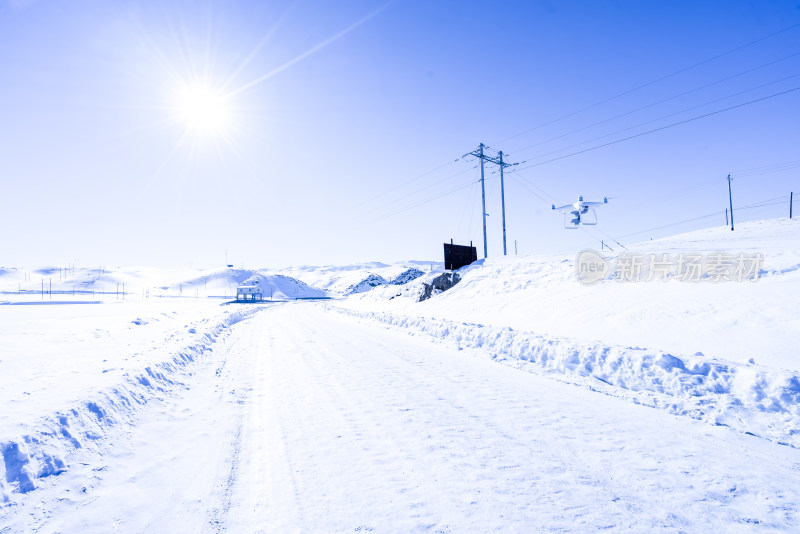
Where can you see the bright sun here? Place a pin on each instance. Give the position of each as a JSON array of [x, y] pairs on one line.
[[203, 110]]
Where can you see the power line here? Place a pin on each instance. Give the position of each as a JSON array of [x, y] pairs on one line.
[[691, 108], [582, 227], [531, 191], [767, 169], [430, 199], [764, 205], [704, 184], [760, 204], [415, 191], [768, 202], [663, 128], [610, 237], [469, 203], [472, 210], [727, 78], [657, 80], [715, 214], [403, 184]]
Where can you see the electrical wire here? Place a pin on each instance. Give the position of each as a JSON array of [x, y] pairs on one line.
[[760, 204], [715, 214], [430, 199], [602, 241], [768, 169], [699, 186], [472, 211], [679, 95], [466, 208], [610, 237], [403, 184], [653, 82], [685, 121], [651, 121], [530, 182], [415, 192], [764, 205], [531, 191]]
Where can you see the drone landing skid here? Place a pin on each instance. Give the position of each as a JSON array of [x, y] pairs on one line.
[[574, 219], [589, 218]]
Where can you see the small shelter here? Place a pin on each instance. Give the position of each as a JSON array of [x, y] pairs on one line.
[[249, 293]]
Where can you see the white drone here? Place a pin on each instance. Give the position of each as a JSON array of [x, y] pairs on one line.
[[579, 213]]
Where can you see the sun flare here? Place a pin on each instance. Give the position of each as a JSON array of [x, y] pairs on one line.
[[203, 110]]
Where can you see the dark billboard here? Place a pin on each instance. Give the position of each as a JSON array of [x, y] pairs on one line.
[[457, 256]]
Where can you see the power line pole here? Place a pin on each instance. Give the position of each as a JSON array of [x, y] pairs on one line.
[[730, 199], [483, 204], [480, 155], [497, 161], [503, 201]]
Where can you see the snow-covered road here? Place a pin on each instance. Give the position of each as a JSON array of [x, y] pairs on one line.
[[305, 420]]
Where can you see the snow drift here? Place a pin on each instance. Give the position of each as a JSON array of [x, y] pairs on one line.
[[719, 352], [40, 448], [753, 399]]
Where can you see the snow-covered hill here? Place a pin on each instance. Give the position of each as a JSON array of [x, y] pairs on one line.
[[341, 280], [721, 351], [732, 320], [146, 283], [225, 282]]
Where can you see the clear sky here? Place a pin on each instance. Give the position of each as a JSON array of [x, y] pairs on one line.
[[166, 132]]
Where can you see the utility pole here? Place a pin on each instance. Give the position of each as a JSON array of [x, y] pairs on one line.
[[503, 202], [791, 194], [730, 199], [483, 204], [480, 155], [497, 161]]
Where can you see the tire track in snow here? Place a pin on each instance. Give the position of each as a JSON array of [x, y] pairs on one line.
[[228, 465], [536, 452]]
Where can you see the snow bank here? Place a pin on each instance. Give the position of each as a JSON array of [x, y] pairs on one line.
[[731, 321], [41, 449], [749, 398]]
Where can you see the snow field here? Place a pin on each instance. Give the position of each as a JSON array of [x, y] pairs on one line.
[[752, 399], [46, 423], [351, 428], [301, 419]]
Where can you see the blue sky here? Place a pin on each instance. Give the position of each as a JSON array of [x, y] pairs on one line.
[[343, 124]]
